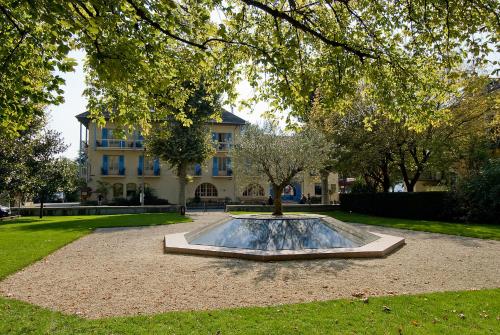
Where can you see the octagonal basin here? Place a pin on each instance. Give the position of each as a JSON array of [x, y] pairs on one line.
[[267, 237]]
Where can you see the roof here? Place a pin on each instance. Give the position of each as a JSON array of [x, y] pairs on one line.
[[227, 118]]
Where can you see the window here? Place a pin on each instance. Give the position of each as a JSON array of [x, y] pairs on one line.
[[317, 189], [117, 190], [224, 140], [197, 169], [131, 189], [253, 190], [113, 165], [151, 166], [222, 166], [205, 190]]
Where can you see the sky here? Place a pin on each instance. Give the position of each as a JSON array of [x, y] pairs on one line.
[[62, 117]]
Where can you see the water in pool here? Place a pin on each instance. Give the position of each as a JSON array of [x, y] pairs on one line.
[[274, 234]]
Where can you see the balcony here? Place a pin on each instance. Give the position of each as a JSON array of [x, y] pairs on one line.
[[112, 172], [223, 173], [223, 146], [148, 173], [120, 144]]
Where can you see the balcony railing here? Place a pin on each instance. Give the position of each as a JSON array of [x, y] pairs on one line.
[[149, 173], [224, 173], [119, 143], [113, 172], [223, 146]]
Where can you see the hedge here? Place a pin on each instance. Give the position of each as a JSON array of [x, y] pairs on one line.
[[415, 205]]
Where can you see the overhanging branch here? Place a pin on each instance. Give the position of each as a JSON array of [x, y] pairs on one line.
[[299, 25]]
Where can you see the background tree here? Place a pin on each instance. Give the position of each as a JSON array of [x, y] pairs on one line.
[[382, 148], [269, 152], [183, 145], [47, 174]]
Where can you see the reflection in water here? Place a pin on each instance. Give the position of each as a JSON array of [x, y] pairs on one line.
[[275, 234]]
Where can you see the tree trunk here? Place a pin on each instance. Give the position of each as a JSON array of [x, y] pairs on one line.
[[386, 182], [278, 208], [41, 206], [182, 174], [325, 197]]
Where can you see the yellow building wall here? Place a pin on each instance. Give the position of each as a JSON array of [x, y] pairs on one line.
[[166, 185]]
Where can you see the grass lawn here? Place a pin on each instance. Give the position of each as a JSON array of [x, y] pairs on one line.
[[28, 239], [485, 231]]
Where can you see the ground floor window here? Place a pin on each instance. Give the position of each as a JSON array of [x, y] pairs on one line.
[[253, 190], [317, 189], [117, 190], [205, 190], [131, 189]]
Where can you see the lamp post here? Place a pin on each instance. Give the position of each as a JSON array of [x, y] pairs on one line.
[[143, 193]]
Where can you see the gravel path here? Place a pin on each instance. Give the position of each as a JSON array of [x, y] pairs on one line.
[[123, 271]]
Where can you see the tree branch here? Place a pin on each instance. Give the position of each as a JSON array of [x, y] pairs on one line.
[[143, 15], [299, 25]]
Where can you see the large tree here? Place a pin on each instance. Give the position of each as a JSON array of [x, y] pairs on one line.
[[286, 49], [278, 156], [183, 145]]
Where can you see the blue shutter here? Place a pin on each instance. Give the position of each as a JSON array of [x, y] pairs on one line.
[[141, 164], [215, 167], [214, 136], [298, 191], [156, 167], [197, 169], [104, 169], [140, 140], [121, 165], [104, 137], [229, 167]]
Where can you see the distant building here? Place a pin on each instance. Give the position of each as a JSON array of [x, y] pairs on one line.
[[122, 165]]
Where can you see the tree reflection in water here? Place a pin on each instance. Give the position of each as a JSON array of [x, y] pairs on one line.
[[274, 234]]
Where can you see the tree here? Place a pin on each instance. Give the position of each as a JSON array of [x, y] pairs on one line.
[[276, 155], [286, 49], [60, 175], [372, 142], [184, 145], [46, 173], [33, 45]]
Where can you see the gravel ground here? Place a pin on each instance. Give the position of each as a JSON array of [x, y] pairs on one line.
[[123, 271]]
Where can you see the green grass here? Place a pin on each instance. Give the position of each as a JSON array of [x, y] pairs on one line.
[[28, 239], [437, 313], [484, 231]]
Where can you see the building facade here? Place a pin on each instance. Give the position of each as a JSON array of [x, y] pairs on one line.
[[121, 166]]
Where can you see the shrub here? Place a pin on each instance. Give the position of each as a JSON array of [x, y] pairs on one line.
[[417, 205], [479, 196]]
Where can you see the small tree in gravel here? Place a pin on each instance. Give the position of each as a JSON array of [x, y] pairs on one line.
[[267, 151]]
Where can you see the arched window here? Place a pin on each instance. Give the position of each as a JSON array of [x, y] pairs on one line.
[[131, 189], [253, 190], [117, 190], [205, 190]]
